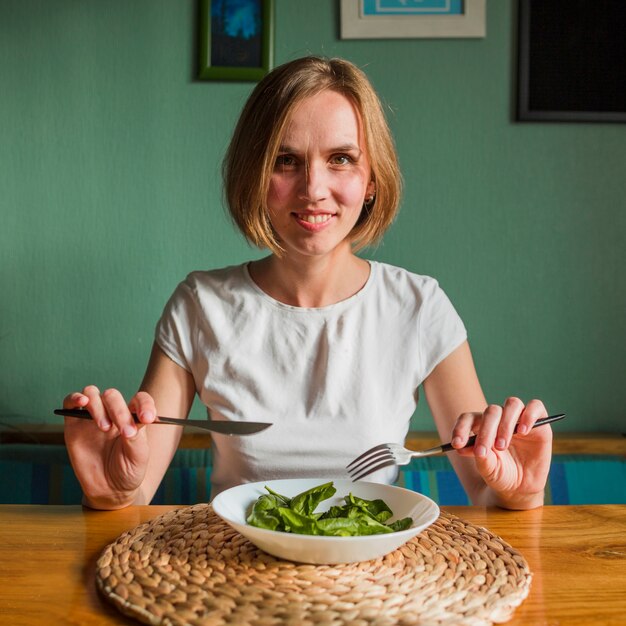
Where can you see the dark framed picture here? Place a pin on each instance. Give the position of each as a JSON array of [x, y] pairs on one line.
[[236, 39], [572, 61]]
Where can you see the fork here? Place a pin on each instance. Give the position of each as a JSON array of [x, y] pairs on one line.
[[387, 454]]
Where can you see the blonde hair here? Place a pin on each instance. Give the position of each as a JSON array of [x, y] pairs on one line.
[[249, 160]]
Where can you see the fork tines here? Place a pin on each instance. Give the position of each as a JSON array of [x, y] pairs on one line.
[[382, 449], [371, 461]]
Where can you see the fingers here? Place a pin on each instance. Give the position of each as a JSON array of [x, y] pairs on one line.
[[493, 418], [496, 426], [463, 429], [121, 414], [109, 409], [143, 406], [75, 400], [90, 400], [534, 410], [118, 412], [511, 411]]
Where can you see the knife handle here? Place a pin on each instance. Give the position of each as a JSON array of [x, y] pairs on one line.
[[84, 414]]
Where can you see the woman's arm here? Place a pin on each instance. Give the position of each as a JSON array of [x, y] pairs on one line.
[[172, 389], [501, 469]]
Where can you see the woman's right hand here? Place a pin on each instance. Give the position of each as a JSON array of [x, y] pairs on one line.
[[109, 453]]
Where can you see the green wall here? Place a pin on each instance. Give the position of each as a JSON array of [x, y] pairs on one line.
[[110, 193]]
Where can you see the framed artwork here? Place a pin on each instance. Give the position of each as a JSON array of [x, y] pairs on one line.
[[395, 19], [571, 61], [236, 39]]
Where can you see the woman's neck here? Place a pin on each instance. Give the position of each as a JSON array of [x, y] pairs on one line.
[[311, 282]]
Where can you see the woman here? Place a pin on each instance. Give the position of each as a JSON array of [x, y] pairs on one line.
[[329, 347]]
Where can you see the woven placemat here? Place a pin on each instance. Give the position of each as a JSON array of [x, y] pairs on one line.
[[189, 567]]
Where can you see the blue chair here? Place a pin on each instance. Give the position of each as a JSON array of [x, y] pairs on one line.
[[42, 474]]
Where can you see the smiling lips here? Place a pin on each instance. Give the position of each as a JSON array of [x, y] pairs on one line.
[[313, 221], [314, 218]]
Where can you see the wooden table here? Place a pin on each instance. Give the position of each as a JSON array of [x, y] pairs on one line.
[[577, 555]]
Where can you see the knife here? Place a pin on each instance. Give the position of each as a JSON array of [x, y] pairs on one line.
[[218, 426]]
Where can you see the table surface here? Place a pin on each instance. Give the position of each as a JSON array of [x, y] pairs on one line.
[[577, 555]]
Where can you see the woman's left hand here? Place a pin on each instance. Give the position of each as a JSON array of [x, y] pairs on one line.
[[514, 466]]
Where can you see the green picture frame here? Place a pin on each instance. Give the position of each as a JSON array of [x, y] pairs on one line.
[[232, 47]]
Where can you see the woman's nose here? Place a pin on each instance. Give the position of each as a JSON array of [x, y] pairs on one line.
[[314, 185]]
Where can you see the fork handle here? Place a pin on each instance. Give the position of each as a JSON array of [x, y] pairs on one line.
[[447, 447]]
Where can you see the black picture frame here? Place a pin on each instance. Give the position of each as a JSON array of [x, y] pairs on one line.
[[236, 52], [571, 61]]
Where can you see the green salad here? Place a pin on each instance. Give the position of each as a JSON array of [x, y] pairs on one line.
[[357, 516]]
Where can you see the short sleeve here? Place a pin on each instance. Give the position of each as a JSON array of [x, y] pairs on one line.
[[441, 330], [177, 326]]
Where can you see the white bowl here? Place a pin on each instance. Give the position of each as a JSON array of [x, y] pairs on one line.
[[233, 506]]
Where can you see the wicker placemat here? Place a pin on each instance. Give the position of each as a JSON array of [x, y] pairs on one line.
[[189, 567]]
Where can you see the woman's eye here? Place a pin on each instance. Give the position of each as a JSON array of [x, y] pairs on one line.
[[342, 159], [285, 160]]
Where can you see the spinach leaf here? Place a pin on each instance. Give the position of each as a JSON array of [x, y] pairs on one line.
[[299, 524], [401, 524], [284, 499], [378, 509], [265, 513], [306, 502], [357, 516], [357, 523]]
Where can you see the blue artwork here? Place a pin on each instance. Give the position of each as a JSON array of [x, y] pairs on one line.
[[412, 7], [236, 33]]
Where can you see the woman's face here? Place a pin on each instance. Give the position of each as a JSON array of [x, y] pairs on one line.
[[321, 176]]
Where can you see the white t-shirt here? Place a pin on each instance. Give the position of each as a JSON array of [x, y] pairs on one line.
[[334, 381]]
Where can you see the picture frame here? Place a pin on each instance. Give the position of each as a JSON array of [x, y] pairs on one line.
[[405, 19], [571, 61], [236, 39]]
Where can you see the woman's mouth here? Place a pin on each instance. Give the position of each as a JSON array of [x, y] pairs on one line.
[[314, 218], [313, 221]]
